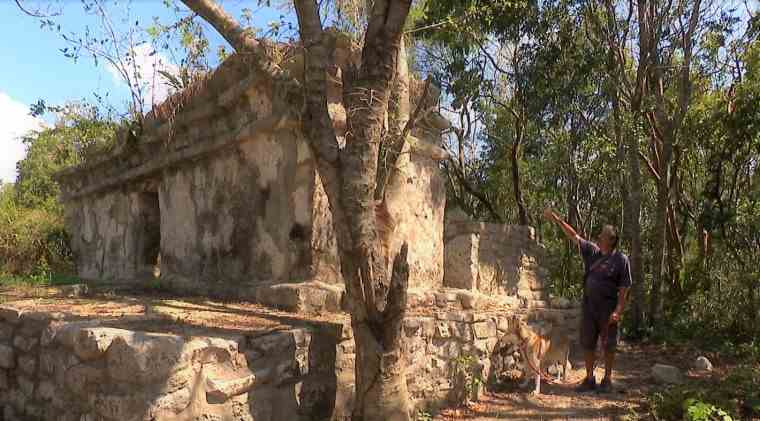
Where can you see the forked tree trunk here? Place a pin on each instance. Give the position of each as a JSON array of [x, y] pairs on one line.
[[376, 298]]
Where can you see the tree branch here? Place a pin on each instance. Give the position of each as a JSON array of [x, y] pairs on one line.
[[225, 24], [35, 14], [652, 170], [473, 191], [239, 39]]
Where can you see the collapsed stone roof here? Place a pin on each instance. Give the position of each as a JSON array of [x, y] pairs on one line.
[[196, 121]]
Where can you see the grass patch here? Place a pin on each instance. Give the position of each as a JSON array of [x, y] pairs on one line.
[[40, 280]]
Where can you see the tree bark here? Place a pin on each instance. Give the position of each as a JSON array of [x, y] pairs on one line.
[[514, 156], [376, 298], [377, 304]]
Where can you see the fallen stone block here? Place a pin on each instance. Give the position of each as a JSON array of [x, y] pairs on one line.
[[222, 383], [703, 364], [75, 290], [663, 373]]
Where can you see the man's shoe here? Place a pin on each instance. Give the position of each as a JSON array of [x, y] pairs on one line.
[[588, 385], [605, 386]]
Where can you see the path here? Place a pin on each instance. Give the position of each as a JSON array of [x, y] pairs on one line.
[[560, 402]]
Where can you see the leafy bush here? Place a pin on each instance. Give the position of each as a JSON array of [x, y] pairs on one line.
[[733, 398], [33, 242], [34, 245]]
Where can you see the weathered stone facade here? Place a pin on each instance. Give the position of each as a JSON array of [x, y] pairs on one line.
[[224, 184], [501, 260]]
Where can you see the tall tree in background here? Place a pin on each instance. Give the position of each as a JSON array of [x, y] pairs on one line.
[[626, 90], [377, 299], [665, 30]]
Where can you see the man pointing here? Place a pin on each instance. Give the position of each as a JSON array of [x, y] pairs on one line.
[[606, 281]]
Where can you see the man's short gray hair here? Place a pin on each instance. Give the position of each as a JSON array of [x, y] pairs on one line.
[[612, 232]]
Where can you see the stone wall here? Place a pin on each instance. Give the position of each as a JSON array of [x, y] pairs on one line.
[[417, 199], [494, 259], [51, 369], [55, 367], [442, 350]]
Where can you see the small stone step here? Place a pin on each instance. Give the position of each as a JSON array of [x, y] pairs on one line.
[[223, 382]]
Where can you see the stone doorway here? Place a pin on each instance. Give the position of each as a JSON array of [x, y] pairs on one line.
[[149, 233]]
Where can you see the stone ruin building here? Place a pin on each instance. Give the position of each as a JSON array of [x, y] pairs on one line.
[[223, 187]]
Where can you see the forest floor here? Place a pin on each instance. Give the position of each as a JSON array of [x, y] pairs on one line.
[[633, 383]]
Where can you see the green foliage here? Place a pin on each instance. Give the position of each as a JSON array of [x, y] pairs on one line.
[[80, 135], [708, 400], [33, 241], [696, 410], [424, 416], [468, 374], [39, 280]]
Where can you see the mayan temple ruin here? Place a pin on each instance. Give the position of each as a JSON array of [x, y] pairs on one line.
[[219, 197]]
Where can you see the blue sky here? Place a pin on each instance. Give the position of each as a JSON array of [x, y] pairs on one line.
[[34, 67]]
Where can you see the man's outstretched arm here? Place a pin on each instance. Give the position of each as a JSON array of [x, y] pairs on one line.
[[568, 230]]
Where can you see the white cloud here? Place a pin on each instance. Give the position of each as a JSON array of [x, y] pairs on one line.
[[15, 121], [148, 62]]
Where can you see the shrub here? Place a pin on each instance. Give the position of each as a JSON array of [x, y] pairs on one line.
[[32, 241]]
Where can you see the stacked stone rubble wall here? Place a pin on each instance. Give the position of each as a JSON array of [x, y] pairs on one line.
[[53, 368]]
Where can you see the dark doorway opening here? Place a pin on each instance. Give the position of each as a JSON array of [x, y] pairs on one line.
[[149, 247]]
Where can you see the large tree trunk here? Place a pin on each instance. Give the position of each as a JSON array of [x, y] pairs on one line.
[[376, 298], [633, 224], [659, 273], [665, 122], [514, 156]]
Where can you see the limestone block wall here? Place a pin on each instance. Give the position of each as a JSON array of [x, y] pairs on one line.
[[225, 177], [443, 348], [494, 259], [52, 369], [417, 200]]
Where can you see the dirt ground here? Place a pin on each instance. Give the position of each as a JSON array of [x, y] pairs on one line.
[[152, 312], [632, 379]]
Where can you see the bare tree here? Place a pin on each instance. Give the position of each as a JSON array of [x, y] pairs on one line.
[[376, 296]]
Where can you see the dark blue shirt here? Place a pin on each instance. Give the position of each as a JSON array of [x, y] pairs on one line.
[[603, 281]]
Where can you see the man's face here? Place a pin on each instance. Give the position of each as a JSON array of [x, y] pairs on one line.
[[606, 239]]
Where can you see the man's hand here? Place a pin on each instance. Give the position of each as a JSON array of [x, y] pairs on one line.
[[550, 215], [615, 317], [567, 229]]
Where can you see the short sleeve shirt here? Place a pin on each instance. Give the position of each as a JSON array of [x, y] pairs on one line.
[[611, 273]]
